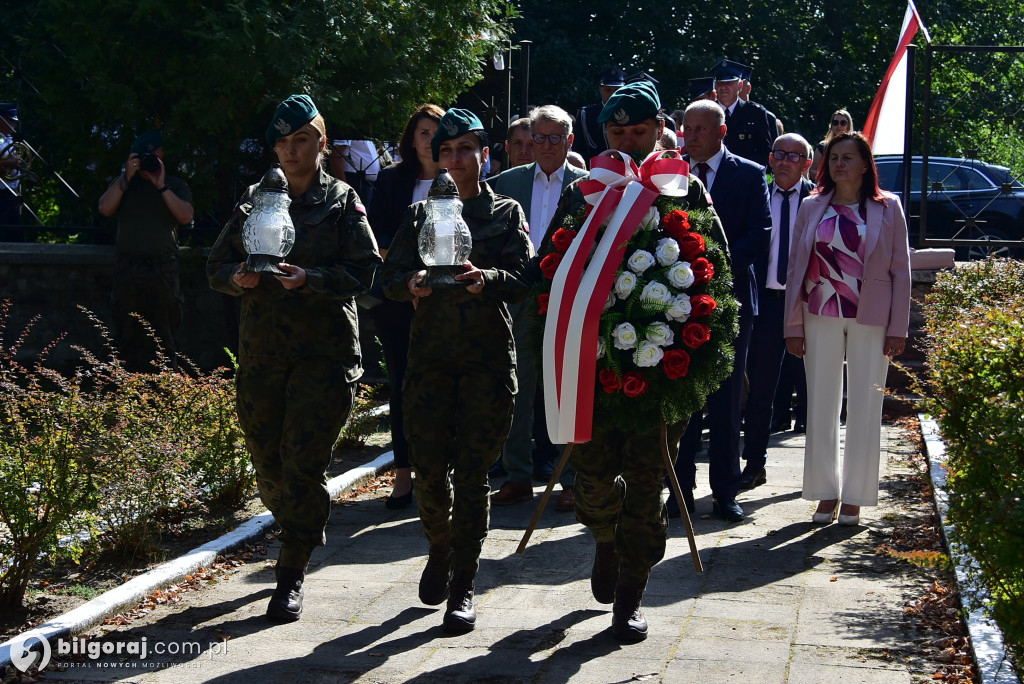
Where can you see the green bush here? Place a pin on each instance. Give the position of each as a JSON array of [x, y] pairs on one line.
[[976, 356], [109, 452]]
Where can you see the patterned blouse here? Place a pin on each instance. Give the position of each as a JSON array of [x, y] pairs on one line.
[[832, 286]]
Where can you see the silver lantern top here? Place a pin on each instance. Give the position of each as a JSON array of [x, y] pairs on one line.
[[268, 235], [444, 238]]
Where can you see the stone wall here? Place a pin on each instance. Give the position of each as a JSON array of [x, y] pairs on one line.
[[53, 281]]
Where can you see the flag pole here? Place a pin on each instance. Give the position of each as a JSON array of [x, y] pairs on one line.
[[908, 125]]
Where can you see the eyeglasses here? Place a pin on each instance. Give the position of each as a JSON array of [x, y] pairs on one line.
[[554, 138], [794, 157], [840, 122]]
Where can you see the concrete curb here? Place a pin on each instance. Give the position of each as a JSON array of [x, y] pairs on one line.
[[987, 644], [172, 572]]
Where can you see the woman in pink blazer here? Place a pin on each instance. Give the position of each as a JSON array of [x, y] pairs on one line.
[[848, 299]]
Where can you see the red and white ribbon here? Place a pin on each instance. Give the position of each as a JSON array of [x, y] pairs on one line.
[[620, 194]]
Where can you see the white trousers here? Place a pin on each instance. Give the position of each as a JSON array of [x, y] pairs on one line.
[[828, 342]]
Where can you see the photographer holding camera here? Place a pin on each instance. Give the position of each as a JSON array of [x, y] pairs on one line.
[[150, 205]]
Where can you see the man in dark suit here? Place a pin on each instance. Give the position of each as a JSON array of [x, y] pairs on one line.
[[740, 195], [790, 158], [590, 140], [537, 187], [751, 127]]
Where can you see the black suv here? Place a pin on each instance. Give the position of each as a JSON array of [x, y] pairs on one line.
[[967, 198]]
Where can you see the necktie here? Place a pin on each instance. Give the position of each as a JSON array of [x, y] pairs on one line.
[[702, 173], [783, 263]]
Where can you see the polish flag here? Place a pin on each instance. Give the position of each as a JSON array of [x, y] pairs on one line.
[[886, 118]]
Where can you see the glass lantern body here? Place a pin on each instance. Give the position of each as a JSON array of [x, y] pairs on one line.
[[444, 238], [268, 235]]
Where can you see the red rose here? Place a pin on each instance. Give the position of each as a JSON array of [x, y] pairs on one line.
[[676, 224], [695, 334], [562, 239], [703, 270], [702, 305], [691, 246], [676, 363], [549, 264], [633, 384], [609, 381], [542, 303]]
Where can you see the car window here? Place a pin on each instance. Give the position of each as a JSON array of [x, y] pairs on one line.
[[972, 179], [889, 176], [938, 172]]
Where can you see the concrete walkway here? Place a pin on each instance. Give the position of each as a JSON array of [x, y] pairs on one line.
[[780, 601]]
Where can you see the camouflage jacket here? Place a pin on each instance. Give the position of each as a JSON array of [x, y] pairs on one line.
[[335, 246], [456, 326]]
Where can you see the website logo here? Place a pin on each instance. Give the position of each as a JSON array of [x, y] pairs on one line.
[[22, 654]]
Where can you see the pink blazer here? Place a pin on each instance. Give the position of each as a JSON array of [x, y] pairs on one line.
[[885, 289]]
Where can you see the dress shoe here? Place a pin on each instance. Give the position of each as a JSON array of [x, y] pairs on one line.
[[437, 575], [753, 477], [799, 427], [628, 621], [780, 425], [849, 519], [672, 506], [512, 492], [729, 509], [395, 503], [566, 500], [825, 517], [460, 614], [605, 574], [286, 602]]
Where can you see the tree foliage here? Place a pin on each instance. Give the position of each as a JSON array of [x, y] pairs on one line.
[[209, 75]]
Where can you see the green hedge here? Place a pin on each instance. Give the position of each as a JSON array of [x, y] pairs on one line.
[[107, 452], [976, 374]]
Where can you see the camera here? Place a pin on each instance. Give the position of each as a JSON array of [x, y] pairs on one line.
[[149, 162]]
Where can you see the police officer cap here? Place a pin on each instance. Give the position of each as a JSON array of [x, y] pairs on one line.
[[454, 124], [291, 115], [641, 76], [728, 70], [613, 77], [699, 86], [147, 142], [631, 104]]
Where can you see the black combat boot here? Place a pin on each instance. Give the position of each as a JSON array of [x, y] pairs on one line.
[[605, 574], [437, 575], [460, 616], [286, 603], [628, 621]]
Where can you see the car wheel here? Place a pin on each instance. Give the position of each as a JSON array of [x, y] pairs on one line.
[[983, 251]]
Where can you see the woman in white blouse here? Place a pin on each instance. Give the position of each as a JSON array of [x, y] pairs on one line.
[[849, 268]]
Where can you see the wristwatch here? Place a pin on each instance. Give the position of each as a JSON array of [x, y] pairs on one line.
[[164, 189]]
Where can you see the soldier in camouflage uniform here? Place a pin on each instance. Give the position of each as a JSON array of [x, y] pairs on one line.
[[619, 475], [461, 379], [299, 356]]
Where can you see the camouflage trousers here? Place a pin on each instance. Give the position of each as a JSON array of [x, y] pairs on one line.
[[619, 482], [148, 286], [291, 410], [455, 422]]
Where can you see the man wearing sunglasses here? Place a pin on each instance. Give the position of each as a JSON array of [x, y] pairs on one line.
[[536, 187], [789, 160]]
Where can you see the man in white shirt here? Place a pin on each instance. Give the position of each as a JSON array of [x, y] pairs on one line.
[[356, 162], [536, 187], [789, 159]]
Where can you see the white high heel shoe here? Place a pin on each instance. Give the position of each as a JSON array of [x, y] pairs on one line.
[[849, 520], [827, 517]]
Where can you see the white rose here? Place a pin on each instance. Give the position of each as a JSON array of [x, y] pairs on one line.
[[624, 335], [648, 355], [656, 292], [600, 348], [667, 251], [624, 284], [680, 275], [640, 261], [680, 309], [652, 219], [660, 334]]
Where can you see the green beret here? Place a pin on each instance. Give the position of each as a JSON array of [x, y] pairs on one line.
[[291, 115], [631, 104], [147, 142], [454, 124]]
